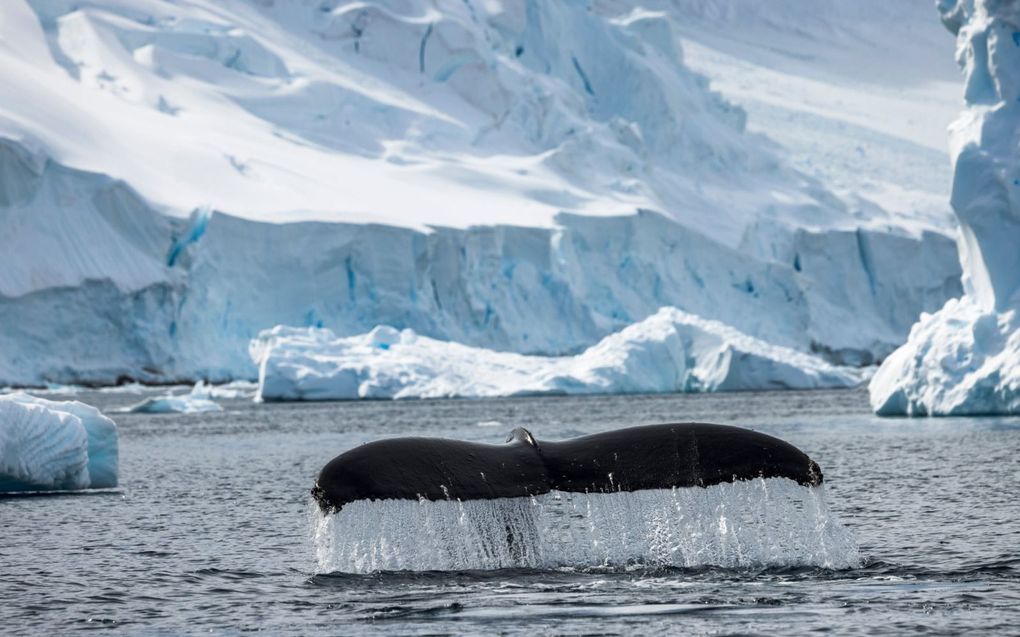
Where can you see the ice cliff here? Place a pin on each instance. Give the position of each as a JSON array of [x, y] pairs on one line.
[[669, 351], [530, 177], [965, 358], [55, 445]]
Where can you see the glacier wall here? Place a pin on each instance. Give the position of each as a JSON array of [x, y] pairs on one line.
[[965, 358], [198, 289], [84, 293], [521, 176], [520, 289]]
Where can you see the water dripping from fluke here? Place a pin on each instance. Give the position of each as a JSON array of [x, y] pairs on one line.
[[678, 495], [746, 524]]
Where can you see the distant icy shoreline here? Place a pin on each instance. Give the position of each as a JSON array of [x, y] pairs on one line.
[[184, 387], [232, 389]]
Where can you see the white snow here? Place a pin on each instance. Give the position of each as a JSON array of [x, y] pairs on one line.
[[670, 351], [256, 109], [55, 445], [813, 74], [965, 358], [176, 177], [198, 400], [960, 361]]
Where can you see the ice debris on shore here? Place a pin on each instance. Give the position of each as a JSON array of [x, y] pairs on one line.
[[55, 445], [965, 358], [671, 351]]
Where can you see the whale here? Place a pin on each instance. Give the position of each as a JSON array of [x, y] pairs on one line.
[[663, 456]]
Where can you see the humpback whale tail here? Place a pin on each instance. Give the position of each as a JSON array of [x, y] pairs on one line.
[[632, 459], [678, 495]]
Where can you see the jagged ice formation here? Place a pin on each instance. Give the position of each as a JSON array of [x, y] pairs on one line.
[[965, 358], [55, 445], [669, 351], [520, 176]]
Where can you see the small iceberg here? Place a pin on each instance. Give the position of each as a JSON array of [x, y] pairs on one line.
[[48, 445], [197, 401], [670, 351], [960, 361]]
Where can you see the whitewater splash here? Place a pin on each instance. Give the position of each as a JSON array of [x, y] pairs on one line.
[[760, 523]]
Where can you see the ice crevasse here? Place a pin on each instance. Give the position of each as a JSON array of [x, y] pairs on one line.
[[55, 445], [527, 177], [965, 358], [670, 351]]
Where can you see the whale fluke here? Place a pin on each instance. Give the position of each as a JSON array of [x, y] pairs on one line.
[[631, 459]]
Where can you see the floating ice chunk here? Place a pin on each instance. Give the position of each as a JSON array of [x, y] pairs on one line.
[[961, 360], [197, 401], [127, 388], [55, 445], [234, 389], [669, 351]]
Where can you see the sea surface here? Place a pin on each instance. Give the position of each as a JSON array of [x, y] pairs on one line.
[[212, 530]]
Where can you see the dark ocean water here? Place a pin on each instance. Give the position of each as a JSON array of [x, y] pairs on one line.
[[210, 530]]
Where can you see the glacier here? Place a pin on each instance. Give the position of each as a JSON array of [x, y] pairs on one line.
[[55, 445], [964, 359], [669, 351], [518, 176]]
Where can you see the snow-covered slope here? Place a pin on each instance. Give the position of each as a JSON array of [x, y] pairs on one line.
[[47, 445], [527, 176], [855, 93], [358, 111], [669, 351], [965, 358]]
